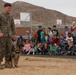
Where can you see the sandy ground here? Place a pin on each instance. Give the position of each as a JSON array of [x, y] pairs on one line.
[[43, 65]]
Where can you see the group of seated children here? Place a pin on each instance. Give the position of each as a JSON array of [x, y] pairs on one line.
[[57, 46]]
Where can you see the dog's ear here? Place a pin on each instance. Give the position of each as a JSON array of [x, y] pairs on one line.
[[16, 48], [13, 39]]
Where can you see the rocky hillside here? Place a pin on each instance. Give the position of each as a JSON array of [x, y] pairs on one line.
[[39, 14]]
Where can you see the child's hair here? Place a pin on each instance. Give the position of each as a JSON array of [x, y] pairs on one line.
[[54, 26], [54, 36], [39, 45], [40, 27], [52, 43], [32, 43], [69, 34], [45, 44], [27, 41], [49, 28], [61, 34], [66, 27]]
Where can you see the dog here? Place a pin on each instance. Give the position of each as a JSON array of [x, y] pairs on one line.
[[15, 56]]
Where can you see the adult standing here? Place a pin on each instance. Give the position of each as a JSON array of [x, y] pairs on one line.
[[7, 32]]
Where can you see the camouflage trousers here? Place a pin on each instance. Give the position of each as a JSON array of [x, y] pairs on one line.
[[5, 48]]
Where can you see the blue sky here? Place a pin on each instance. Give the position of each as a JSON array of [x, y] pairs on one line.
[[65, 6]]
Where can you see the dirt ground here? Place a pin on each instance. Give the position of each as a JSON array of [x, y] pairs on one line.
[[43, 65]]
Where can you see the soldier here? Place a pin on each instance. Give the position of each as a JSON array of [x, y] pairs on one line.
[[7, 31]]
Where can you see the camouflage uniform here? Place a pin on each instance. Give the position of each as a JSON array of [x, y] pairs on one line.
[[7, 27]]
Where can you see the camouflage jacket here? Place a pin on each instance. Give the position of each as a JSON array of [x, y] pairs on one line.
[[7, 26]]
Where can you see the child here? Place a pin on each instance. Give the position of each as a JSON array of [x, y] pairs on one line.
[[34, 37], [55, 31], [42, 36], [45, 49], [39, 48], [47, 36], [73, 27], [69, 37], [62, 45], [49, 31], [28, 35], [55, 40], [71, 48], [74, 36], [53, 48], [26, 47], [66, 31], [31, 48]]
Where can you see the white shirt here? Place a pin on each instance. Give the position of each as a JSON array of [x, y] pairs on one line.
[[69, 38]]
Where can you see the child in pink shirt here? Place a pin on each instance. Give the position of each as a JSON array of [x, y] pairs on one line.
[[26, 47]]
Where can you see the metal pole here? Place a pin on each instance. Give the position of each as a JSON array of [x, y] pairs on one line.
[[31, 22]]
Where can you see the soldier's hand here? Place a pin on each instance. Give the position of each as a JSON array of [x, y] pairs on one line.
[[1, 34]]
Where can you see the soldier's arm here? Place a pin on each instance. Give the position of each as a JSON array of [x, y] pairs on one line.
[[1, 34], [13, 27], [0, 23]]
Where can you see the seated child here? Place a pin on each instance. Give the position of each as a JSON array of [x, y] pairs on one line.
[[53, 48], [71, 48], [45, 49], [31, 48], [39, 48], [69, 37], [55, 40], [26, 47], [62, 45]]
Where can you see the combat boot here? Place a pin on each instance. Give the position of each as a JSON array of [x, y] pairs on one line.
[[8, 65], [1, 66]]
